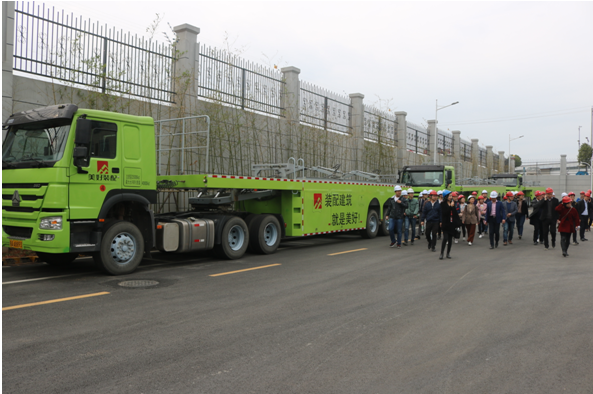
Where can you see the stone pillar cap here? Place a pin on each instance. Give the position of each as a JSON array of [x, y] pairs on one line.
[[356, 95], [403, 113], [290, 69], [475, 140], [431, 121], [186, 27], [456, 132]]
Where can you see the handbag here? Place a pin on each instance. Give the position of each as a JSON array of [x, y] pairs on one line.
[[457, 232]]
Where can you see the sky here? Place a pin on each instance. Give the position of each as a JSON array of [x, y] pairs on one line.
[[516, 68]]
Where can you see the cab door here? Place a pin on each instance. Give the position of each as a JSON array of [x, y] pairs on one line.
[[89, 187]]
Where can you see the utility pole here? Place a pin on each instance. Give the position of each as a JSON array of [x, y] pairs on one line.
[[580, 137]]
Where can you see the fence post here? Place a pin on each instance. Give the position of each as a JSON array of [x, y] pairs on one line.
[[290, 100], [402, 135], [7, 53], [563, 174], [433, 145], [104, 66], [187, 36], [501, 161], [475, 155], [357, 125], [489, 161]]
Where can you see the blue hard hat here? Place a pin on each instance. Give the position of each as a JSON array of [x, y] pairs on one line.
[[446, 193]]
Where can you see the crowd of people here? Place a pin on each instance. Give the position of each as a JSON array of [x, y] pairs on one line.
[[453, 216]]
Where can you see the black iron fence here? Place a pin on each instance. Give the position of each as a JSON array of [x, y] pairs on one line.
[[495, 162], [417, 139], [380, 126], [445, 143], [226, 78], [482, 157], [466, 151], [67, 48], [324, 109]]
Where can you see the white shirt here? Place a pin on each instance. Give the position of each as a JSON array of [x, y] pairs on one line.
[[586, 211]]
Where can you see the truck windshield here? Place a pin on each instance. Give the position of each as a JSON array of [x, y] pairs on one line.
[[426, 178], [27, 146], [511, 182]]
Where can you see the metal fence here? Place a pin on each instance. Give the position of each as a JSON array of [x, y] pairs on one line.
[[482, 157], [380, 126], [67, 48], [445, 143], [226, 78], [417, 139], [495, 162], [325, 109], [466, 150]]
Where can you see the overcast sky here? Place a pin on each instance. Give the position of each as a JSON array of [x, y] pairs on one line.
[[516, 68]]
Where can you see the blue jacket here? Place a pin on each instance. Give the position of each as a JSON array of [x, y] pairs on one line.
[[430, 212], [501, 212]]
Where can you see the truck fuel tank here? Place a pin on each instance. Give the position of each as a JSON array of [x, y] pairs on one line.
[[185, 235]]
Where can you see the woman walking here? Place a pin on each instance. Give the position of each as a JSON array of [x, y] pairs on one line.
[[450, 220], [460, 208], [522, 213], [568, 222], [482, 207], [470, 218]]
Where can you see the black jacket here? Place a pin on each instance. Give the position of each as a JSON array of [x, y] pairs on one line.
[[581, 207], [523, 210], [535, 214], [396, 210], [449, 218], [547, 208]]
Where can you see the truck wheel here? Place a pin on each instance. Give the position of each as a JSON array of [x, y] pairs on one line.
[[264, 234], [383, 227], [122, 247], [234, 239], [372, 227], [57, 259]]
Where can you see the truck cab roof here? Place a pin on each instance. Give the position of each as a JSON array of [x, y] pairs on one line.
[[504, 176], [424, 168]]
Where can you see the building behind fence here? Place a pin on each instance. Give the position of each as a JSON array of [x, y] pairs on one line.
[[271, 114]]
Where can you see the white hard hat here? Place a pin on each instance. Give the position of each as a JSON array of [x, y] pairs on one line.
[[484, 191], [430, 191], [397, 188], [564, 195], [425, 191], [440, 192], [494, 194], [404, 193], [410, 190]]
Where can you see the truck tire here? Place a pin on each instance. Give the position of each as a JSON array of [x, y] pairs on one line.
[[264, 234], [234, 239], [372, 227], [383, 227], [57, 259], [122, 247]]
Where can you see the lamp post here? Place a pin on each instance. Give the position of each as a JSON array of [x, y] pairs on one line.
[[436, 127], [510, 150]]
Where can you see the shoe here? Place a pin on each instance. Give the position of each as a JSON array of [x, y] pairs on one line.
[[504, 243], [456, 241], [399, 246], [519, 237], [391, 245], [433, 249], [575, 243], [412, 243], [448, 256], [405, 243], [567, 254], [441, 257], [496, 245], [564, 254], [439, 237], [535, 243], [584, 239], [469, 243], [511, 242], [553, 246], [480, 236], [429, 247], [546, 248], [463, 239], [491, 247]]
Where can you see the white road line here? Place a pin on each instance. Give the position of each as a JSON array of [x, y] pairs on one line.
[[36, 279]]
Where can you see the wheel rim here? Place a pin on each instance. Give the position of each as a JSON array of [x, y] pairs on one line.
[[373, 224], [270, 234], [236, 237], [123, 248]]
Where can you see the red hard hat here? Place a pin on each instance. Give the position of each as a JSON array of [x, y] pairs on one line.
[[582, 192], [454, 194], [571, 194], [588, 194], [538, 193], [520, 194], [474, 193], [480, 197], [566, 199], [504, 198], [549, 190], [433, 193], [509, 194]]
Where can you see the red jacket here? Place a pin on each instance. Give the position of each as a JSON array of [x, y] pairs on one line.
[[569, 219]]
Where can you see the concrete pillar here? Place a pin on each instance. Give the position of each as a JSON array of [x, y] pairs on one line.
[[456, 145], [357, 124], [291, 97], [7, 53], [433, 146], [489, 161], [185, 67], [513, 165], [500, 161], [402, 135], [475, 154]]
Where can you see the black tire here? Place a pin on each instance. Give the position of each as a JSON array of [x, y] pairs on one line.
[[373, 224], [57, 259], [384, 226], [264, 234], [115, 256], [234, 239]]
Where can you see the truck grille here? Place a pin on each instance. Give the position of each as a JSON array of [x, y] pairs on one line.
[[21, 232]]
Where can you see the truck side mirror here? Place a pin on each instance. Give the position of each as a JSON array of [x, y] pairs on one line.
[[80, 152], [83, 132]]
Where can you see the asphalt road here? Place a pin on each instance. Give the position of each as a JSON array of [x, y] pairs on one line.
[[515, 319]]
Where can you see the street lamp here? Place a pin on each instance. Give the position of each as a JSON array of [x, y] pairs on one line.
[[510, 150], [436, 128]]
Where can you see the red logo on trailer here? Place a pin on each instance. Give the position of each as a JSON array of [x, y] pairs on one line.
[[103, 167], [317, 200]]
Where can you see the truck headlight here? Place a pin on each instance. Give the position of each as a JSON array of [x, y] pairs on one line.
[[51, 223]]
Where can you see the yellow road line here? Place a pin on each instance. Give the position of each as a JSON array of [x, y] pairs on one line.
[[348, 251], [248, 269], [52, 301]]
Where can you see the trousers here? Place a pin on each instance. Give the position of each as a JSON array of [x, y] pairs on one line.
[[520, 223], [407, 222], [549, 227], [392, 228], [507, 232], [565, 241], [494, 228], [431, 233]]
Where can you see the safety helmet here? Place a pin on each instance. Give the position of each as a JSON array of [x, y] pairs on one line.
[[480, 197], [582, 192], [440, 192], [433, 193], [471, 196], [404, 192], [474, 193], [520, 193], [446, 193], [510, 194], [588, 194], [504, 198], [571, 194], [549, 190], [425, 191], [566, 200], [564, 195], [494, 194], [397, 188], [455, 194], [538, 193], [410, 190], [484, 192]]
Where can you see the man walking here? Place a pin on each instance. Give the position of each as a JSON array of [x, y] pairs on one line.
[[410, 217], [495, 215], [509, 226], [395, 213], [431, 215], [534, 218], [522, 212], [549, 217], [583, 207]]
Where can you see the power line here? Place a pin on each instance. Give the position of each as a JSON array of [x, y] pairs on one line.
[[519, 117]]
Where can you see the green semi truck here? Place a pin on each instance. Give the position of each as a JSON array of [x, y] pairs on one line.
[[81, 181]]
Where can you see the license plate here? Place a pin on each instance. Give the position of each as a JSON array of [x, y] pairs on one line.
[[16, 244]]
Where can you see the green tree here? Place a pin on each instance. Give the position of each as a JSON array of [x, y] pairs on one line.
[[518, 161], [585, 153]]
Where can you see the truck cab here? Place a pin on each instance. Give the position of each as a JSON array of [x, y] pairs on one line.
[[70, 174], [423, 177]]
